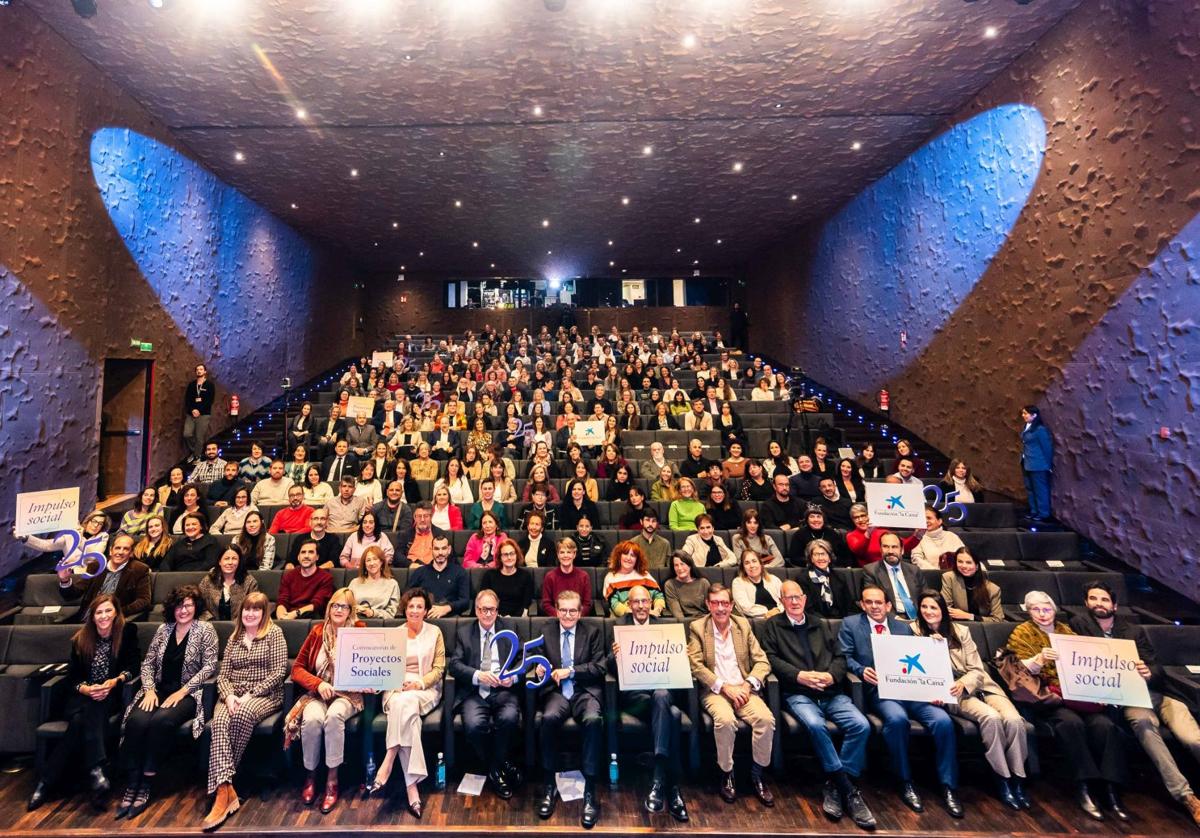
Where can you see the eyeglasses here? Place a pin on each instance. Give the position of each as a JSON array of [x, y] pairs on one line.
[[339, 606], [486, 609], [568, 611]]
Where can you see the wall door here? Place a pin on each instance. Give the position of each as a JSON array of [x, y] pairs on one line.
[[125, 426]]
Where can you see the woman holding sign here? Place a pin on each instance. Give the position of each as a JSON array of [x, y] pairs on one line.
[[1091, 744], [319, 716], [74, 544], [980, 699], [422, 690]]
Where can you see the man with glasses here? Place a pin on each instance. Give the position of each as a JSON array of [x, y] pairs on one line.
[[664, 719], [732, 670], [491, 709], [574, 689], [811, 668]]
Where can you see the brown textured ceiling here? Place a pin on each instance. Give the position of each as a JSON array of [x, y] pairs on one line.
[[433, 101]]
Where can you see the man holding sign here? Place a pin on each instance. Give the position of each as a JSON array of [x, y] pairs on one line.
[[1102, 620], [491, 710], [855, 641], [664, 717]]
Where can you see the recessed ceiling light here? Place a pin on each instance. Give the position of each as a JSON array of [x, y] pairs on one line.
[[679, 250], [421, 253], [474, 244], [545, 222], [377, 244], [991, 32], [301, 113], [696, 220], [441, 154], [401, 267], [610, 242], [855, 146], [612, 264], [407, 57], [354, 173], [778, 105], [795, 197], [623, 270], [457, 203], [493, 264], [239, 157], [738, 166], [295, 207], [625, 201], [549, 252], [688, 41], [395, 225], [537, 110], [695, 261], [720, 241], [647, 150]]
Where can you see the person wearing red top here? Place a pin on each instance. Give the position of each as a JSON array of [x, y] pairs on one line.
[[305, 589], [566, 577], [295, 516], [863, 540], [319, 716]]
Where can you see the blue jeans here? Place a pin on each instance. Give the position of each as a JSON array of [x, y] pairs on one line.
[[1037, 486], [840, 710], [895, 715]]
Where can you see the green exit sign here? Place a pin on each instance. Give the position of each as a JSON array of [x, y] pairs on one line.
[[146, 347]]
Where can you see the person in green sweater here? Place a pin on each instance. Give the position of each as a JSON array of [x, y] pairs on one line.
[[684, 510]]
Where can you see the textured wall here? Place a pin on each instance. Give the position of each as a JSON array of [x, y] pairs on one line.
[[1118, 86], [76, 283], [424, 310]]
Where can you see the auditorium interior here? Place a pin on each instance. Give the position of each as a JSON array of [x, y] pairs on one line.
[[956, 235]]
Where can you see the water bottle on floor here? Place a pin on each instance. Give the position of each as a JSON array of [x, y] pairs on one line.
[[440, 773], [614, 772]]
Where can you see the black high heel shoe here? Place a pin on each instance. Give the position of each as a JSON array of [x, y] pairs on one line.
[[414, 808]]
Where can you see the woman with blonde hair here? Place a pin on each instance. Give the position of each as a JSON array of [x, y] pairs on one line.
[[756, 591], [319, 716], [249, 688], [153, 547]]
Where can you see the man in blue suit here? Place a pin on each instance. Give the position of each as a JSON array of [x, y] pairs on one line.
[[855, 641]]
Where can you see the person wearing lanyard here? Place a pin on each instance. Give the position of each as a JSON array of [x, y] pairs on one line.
[[197, 412], [854, 640]]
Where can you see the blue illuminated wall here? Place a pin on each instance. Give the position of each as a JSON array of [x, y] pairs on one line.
[[234, 279], [1137, 371], [907, 251]]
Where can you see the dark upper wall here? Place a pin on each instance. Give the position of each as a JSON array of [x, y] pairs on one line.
[[1083, 300], [112, 235], [418, 305]]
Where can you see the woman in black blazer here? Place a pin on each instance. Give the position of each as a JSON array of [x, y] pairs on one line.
[[828, 593], [662, 420], [300, 429], [104, 656]]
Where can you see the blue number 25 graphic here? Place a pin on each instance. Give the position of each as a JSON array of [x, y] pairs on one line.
[[527, 661], [84, 556]]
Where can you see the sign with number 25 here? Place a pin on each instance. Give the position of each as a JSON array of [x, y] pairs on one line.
[[527, 661], [74, 557]]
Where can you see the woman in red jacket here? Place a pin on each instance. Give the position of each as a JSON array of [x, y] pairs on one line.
[[863, 540], [320, 714]]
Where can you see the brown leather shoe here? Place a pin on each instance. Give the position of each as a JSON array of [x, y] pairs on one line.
[[1192, 804], [309, 793], [224, 805], [331, 793], [762, 792], [728, 790]]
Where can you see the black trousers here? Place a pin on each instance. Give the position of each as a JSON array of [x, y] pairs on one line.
[[1091, 745], [584, 708], [664, 724], [84, 744], [489, 724], [149, 736]]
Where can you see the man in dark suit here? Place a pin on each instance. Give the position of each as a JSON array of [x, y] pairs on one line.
[[329, 431], [341, 463], [805, 657], [573, 689], [835, 505], [491, 710], [901, 581], [444, 442], [132, 586], [664, 720], [854, 641]]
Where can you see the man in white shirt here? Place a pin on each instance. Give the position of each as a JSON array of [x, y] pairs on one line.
[[273, 490], [732, 668], [904, 473]]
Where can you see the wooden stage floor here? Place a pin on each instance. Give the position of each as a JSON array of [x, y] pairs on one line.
[[179, 810]]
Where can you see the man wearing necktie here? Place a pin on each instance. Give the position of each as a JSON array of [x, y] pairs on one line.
[[901, 581], [854, 640], [341, 463], [491, 709], [574, 689]]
